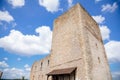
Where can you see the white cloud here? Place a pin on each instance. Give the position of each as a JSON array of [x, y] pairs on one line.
[[17, 3], [109, 7], [18, 59], [96, 1], [113, 50], [50, 5], [3, 64], [15, 73], [6, 58], [105, 32], [99, 19], [5, 16], [70, 3], [28, 45], [27, 67], [116, 75]]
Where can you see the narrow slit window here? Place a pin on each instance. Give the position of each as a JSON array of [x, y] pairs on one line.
[[48, 62], [41, 65], [99, 59], [96, 45]]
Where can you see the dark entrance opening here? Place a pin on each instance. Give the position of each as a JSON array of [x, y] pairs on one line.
[[63, 74]]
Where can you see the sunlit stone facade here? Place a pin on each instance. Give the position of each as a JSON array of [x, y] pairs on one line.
[[77, 51]]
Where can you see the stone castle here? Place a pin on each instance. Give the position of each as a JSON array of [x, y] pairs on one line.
[[77, 51]]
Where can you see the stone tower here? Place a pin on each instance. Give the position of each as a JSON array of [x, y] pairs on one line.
[[77, 49]]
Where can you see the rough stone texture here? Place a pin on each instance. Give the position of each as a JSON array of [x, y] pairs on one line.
[[77, 42], [40, 69]]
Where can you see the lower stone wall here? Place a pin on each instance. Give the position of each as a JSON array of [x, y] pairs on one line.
[[40, 69], [79, 63], [38, 73]]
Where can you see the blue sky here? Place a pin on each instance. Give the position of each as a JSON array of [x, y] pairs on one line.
[[26, 31]]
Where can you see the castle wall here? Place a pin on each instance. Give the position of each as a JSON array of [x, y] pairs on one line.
[[66, 45], [96, 59], [76, 42], [40, 69], [64, 37], [99, 63]]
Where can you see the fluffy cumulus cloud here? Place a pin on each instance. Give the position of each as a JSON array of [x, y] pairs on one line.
[[15, 73], [70, 3], [3, 64], [27, 67], [113, 50], [50, 5], [17, 3], [109, 7], [99, 19], [105, 32], [27, 45], [5, 16]]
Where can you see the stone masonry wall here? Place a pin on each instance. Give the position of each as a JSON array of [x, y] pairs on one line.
[[40, 69], [96, 59], [76, 42]]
